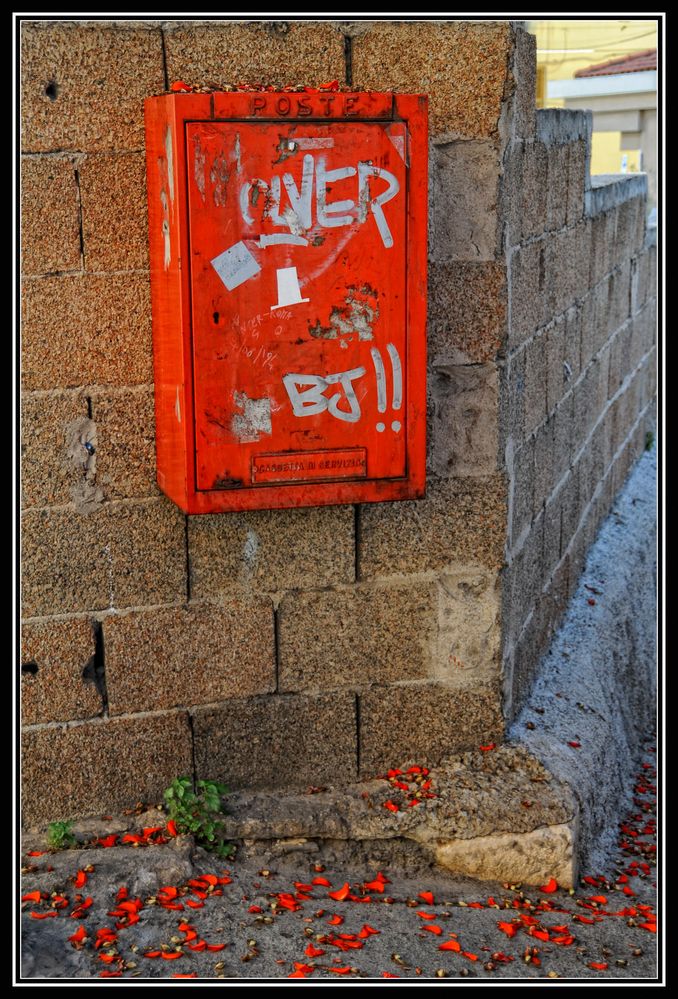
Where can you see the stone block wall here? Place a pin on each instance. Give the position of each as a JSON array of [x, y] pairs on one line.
[[311, 646], [577, 381]]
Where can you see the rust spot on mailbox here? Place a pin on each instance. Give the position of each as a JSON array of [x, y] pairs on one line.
[[288, 278]]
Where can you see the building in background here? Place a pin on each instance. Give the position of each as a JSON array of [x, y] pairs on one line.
[[610, 68]]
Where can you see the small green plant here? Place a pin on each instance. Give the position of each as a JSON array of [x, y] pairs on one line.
[[60, 836], [649, 440], [198, 811]]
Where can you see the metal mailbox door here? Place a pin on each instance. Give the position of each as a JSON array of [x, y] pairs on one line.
[[298, 257], [298, 238]]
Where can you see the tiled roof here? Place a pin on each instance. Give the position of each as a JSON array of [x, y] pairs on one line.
[[637, 62]]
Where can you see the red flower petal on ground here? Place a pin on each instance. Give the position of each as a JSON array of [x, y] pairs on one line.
[[171, 955], [387, 974], [598, 965], [335, 920], [550, 886], [80, 879], [108, 841], [254, 908], [179, 87], [171, 827], [36, 853], [196, 905], [367, 931], [153, 953], [575, 745], [451, 945], [539, 934], [488, 747], [375, 885], [433, 928], [193, 974], [312, 951], [426, 896], [585, 919], [200, 946], [471, 957], [652, 927], [426, 915], [33, 896], [598, 898], [79, 935], [44, 915], [341, 894], [323, 882], [475, 905], [339, 971], [215, 947], [392, 807], [510, 929]]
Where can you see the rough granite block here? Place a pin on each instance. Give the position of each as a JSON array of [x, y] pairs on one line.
[[83, 85], [120, 555], [438, 59], [271, 52], [463, 198], [423, 723], [536, 365], [525, 81], [603, 240], [103, 765], [556, 374], [50, 215], [52, 460], [347, 638], [463, 437], [270, 550], [535, 188], [91, 329], [176, 656], [577, 180], [544, 460], [461, 521], [125, 448], [114, 211], [466, 312], [58, 680], [523, 504], [529, 279], [278, 741]]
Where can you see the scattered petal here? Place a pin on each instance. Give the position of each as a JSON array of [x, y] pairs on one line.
[[451, 945]]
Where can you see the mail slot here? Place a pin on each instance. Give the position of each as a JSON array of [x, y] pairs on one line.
[[287, 240]]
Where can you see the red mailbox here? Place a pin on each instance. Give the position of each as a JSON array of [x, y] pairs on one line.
[[288, 277]]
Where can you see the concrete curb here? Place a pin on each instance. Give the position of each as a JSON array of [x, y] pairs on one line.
[[595, 696]]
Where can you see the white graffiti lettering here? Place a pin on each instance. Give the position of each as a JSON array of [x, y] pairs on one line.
[[311, 400]]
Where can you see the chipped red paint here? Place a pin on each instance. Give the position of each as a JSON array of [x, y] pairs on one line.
[[288, 277]]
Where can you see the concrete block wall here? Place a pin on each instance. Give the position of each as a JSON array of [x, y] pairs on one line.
[[308, 646], [577, 382]]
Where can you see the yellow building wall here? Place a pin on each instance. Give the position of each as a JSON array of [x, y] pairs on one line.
[[565, 46]]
